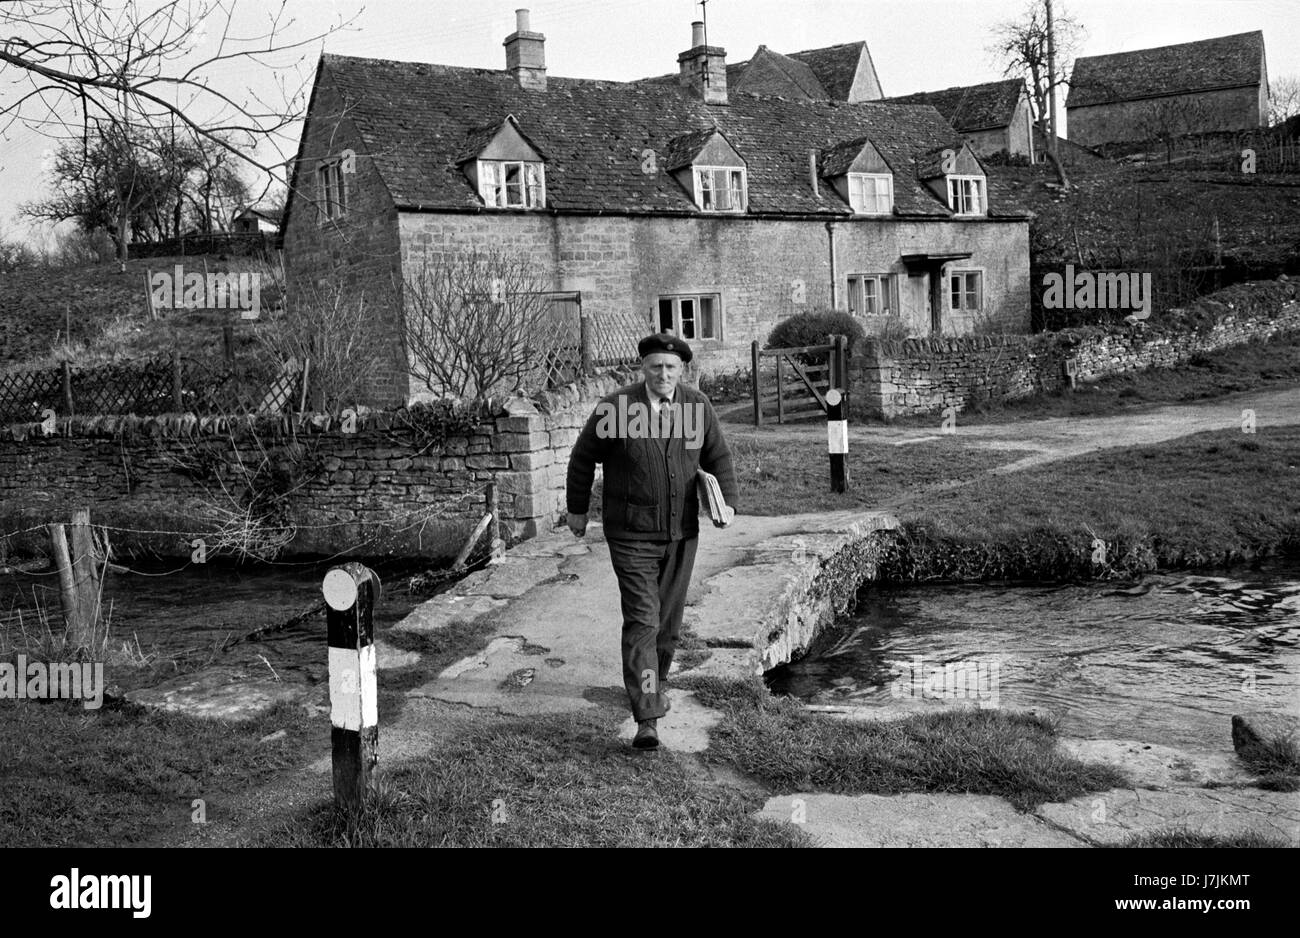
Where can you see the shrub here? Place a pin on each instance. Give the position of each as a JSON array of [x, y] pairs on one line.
[[812, 328]]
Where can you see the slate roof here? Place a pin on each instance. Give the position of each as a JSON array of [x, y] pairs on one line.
[[414, 119], [835, 66], [836, 160], [972, 107], [683, 150], [771, 72], [1223, 62]]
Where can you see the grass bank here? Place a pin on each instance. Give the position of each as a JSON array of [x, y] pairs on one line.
[[121, 775], [988, 752], [1202, 500]]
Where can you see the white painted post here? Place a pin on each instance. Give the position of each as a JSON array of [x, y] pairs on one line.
[[837, 439], [350, 592]]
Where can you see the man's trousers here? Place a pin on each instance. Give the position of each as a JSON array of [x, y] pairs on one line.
[[653, 577]]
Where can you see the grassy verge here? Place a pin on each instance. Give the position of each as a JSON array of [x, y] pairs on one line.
[[555, 781], [986, 752], [1179, 837], [781, 473], [121, 775], [1200, 500]]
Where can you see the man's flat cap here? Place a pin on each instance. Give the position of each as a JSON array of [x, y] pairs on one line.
[[664, 342]]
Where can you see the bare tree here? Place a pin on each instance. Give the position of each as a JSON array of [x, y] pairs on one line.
[[331, 326], [478, 323], [1020, 46], [1283, 99], [136, 68]]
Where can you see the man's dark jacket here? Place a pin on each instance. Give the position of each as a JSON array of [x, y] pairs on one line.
[[649, 488]]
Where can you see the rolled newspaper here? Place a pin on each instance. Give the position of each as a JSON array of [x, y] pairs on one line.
[[711, 499]]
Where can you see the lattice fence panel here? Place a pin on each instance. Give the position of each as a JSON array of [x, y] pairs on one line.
[[143, 388], [557, 346], [614, 337], [24, 395]]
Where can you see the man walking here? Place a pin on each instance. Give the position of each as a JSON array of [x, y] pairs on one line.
[[652, 437]]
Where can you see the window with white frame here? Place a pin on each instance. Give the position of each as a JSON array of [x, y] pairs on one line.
[[965, 290], [871, 294], [966, 195], [871, 193], [331, 190], [691, 317], [720, 189], [512, 183]]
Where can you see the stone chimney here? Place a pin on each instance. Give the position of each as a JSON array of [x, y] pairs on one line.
[[703, 69], [526, 54]]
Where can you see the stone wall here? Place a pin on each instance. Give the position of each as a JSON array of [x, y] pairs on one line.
[[924, 376], [386, 488], [355, 254], [624, 263]]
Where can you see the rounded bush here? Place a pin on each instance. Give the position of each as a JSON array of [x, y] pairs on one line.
[[812, 328]]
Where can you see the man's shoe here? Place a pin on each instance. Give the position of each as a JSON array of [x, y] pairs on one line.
[[647, 737]]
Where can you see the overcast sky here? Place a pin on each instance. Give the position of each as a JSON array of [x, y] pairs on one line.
[[917, 45]]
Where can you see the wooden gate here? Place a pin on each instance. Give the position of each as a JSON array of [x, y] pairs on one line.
[[791, 386]]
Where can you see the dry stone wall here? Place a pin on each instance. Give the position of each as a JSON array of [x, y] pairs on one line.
[[384, 488], [925, 376]]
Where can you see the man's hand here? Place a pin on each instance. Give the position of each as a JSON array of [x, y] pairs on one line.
[[577, 524], [729, 514]]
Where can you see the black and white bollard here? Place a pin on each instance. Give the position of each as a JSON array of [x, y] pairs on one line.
[[350, 592], [837, 439]]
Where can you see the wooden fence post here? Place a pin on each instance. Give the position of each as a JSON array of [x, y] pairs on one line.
[[753, 381], [78, 578], [495, 545], [178, 395], [841, 357], [67, 388], [85, 576], [780, 390], [228, 340], [354, 691], [584, 339], [837, 439]]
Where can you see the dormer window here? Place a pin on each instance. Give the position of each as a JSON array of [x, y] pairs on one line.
[[871, 193], [720, 188], [512, 183], [966, 195]]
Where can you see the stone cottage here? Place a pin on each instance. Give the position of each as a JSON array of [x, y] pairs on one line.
[[695, 208], [1212, 85], [995, 117]]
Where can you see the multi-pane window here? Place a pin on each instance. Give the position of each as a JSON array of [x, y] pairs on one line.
[[720, 189], [966, 195], [511, 184], [871, 294], [332, 193], [965, 290], [691, 317], [871, 193]]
